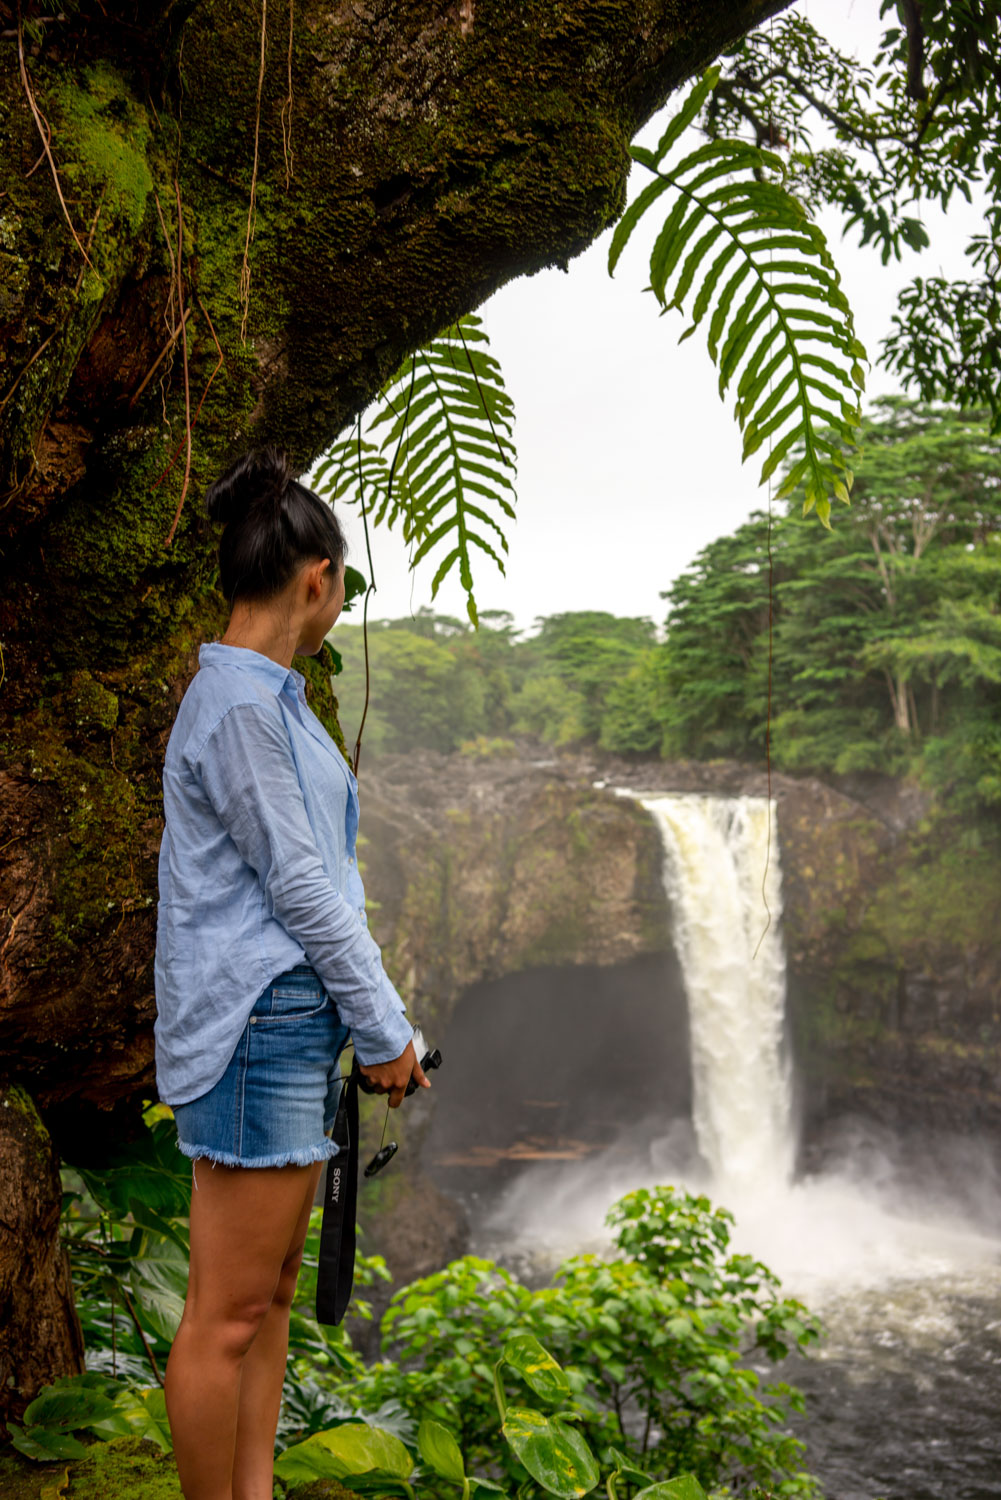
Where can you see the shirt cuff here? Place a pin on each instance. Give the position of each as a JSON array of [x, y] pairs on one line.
[[387, 1040]]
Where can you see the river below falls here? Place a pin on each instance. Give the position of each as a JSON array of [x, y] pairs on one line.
[[895, 1244], [904, 1391]]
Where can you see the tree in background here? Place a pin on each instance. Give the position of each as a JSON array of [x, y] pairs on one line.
[[884, 641]]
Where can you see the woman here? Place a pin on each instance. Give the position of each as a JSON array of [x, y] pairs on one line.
[[264, 965]]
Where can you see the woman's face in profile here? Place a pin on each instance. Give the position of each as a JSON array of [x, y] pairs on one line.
[[326, 611]]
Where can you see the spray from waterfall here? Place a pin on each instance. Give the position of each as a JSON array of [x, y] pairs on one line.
[[733, 964]]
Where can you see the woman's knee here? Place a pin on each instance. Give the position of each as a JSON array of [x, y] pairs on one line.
[[229, 1326], [288, 1276]]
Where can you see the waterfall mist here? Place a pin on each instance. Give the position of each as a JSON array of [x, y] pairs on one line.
[[679, 1071]]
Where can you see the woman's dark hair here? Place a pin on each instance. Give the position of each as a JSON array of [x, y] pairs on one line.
[[272, 525]]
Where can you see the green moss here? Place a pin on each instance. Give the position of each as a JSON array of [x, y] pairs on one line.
[[104, 138], [91, 704], [125, 1469], [22, 1119]]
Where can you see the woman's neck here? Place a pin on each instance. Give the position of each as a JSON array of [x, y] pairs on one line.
[[257, 628]]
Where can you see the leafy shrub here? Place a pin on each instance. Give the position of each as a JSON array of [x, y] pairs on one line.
[[654, 1345]]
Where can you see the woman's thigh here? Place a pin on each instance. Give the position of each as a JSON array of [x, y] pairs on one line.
[[245, 1223], [277, 1095]]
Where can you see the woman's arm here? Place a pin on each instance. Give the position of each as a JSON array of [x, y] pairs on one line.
[[248, 774]]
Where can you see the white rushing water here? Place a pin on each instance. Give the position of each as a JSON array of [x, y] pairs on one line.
[[907, 1280], [848, 1227], [721, 871]]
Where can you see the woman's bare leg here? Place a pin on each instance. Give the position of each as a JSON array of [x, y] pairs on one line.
[[243, 1222], [264, 1373]]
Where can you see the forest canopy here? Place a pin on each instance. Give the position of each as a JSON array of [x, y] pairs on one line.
[[885, 639]]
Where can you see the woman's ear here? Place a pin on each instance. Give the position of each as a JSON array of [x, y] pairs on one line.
[[317, 580]]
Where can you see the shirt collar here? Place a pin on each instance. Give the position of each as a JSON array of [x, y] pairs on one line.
[[215, 654]]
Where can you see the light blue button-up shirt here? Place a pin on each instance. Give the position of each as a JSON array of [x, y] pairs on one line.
[[258, 872]]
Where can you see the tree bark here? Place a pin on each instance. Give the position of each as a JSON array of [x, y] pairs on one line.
[[410, 157], [39, 1333]]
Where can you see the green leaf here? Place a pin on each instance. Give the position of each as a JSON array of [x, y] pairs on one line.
[[75, 1407], [361, 1449], [440, 1451], [147, 1218], [537, 1367], [685, 1487], [44, 1444], [688, 112], [738, 243], [554, 1453], [444, 423], [354, 1451], [159, 1281], [355, 586]]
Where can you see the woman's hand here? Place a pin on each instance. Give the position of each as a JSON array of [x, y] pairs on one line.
[[392, 1077]]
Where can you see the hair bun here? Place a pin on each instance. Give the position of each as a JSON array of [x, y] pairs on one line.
[[261, 476]]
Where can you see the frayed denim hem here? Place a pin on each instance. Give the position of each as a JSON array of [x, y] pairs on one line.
[[304, 1157]]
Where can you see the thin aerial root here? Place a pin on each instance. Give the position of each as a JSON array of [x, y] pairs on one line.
[[219, 362], [90, 237], [201, 400], [287, 106], [184, 351], [39, 351], [172, 338], [245, 268], [45, 131]]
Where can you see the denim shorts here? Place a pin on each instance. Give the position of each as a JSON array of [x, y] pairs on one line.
[[278, 1096]]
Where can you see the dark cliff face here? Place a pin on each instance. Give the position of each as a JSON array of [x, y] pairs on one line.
[[486, 868]]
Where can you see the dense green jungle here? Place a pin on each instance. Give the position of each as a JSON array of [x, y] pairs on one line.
[[877, 650]]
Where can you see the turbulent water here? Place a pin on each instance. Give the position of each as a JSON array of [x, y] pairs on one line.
[[904, 1396]]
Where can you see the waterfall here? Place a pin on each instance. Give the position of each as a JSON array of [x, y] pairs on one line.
[[734, 974]]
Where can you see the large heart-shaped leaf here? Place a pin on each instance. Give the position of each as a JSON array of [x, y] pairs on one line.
[[554, 1453], [69, 1407], [159, 1281], [685, 1487], [45, 1445], [354, 1449], [440, 1451], [537, 1367]]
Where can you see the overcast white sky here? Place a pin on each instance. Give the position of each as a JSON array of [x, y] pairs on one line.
[[628, 462]]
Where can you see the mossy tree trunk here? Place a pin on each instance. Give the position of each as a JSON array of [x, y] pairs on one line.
[[411, 157], [39, 1333]]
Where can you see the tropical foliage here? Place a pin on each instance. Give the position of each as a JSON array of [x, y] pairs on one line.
[[878, 142], [435, 456], [783, 127], [654, 1343], [885, 642], [742, 251], [639, 1369]]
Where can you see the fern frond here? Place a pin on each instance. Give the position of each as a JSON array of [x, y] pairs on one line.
[[438, 457], [779, 324]]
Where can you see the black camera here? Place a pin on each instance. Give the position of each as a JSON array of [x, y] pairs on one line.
[[429, 1058]]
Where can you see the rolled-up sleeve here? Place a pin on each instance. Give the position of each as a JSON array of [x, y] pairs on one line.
[[246, 770]]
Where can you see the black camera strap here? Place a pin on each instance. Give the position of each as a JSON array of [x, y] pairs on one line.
[[336, 1268]]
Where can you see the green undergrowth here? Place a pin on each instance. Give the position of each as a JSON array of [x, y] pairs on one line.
[[483, 1383], [124, 1469]]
